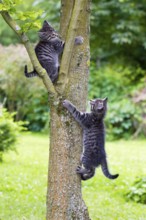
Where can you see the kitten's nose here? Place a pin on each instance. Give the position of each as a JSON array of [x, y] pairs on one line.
[[100, 108]]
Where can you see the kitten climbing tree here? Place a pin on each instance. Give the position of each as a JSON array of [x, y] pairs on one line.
[[64, 197]]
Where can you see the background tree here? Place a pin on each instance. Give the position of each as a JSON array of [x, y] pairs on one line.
[[64, 186]]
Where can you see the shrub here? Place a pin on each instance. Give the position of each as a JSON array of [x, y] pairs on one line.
[[122, 119], [37, 113], [8, 132], [116, 80], [137, 192]]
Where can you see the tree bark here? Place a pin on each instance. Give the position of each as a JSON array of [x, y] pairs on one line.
[[64, 197]]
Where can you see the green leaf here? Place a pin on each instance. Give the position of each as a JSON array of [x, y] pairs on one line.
[[4, 7]]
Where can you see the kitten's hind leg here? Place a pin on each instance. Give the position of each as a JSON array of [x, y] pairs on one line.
[[29, 74], [81, 170], [85, 173]]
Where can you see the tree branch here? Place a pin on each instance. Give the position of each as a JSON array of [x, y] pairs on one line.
[[24, 39], [67, 54], [66, 13]]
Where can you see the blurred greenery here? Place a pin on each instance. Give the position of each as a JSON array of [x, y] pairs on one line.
[[9, 131], [118, 28], [26, 97], [120, 84], [29, 16], [118, 64], [21, 183], [137, 192]]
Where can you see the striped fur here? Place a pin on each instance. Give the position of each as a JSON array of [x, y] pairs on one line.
[[47, 51], [93, 138]]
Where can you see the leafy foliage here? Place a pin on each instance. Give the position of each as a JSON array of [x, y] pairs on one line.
[[118, 67], [118, 28], [9, 5], [137, 192], [118, 82], [29, 16], [116, 79], [38, 112], [121, 120], [8, 132]]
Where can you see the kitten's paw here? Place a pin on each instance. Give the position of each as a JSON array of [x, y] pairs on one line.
[[79, 169], [66, 103], [79, 40]]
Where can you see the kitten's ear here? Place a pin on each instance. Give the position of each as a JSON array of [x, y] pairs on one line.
[[105, 99], [46, 27], [92, 102]]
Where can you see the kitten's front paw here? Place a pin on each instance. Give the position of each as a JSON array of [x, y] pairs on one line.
[[66, 103], [79, 40]]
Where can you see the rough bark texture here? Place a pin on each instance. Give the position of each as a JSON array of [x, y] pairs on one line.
[[64, 198]]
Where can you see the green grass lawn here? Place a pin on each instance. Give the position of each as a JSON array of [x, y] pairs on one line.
[[105, 198], [23, 180]]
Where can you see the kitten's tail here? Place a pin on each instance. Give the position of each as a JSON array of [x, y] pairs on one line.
[[30, 74], [105, 170]]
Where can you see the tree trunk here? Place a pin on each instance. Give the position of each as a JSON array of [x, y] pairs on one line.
[[64, 197]]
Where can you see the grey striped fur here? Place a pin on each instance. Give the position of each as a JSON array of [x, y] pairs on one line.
[[93, 138], [47, 51]]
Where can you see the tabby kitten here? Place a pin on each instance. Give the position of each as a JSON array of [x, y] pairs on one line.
[[93, 138], [48, 50]]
